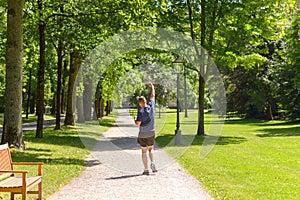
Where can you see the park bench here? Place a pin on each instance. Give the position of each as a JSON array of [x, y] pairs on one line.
[[18, 184]]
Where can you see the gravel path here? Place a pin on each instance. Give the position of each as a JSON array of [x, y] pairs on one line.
[[113, 171]]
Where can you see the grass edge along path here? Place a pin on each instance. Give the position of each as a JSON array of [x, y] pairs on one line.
[[252, 159], [31, 118], [62, 152]]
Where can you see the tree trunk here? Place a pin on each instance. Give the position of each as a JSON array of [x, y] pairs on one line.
[[101, 108], [80, 111], [200, 130], [40, 76], [63, 88], [12, 129], [269, 112], [32, 102], [96, 106], [87, 98], [59, 74], [75, 62], [79, 100], [28, 93], [108, 107], [95, 111], [185, 95], [99, 104], [201, 71], [59, 84], [159, 108], [53, 103]]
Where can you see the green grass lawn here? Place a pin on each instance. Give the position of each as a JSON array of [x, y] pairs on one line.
[[34, 118], [252, 159], [62, 152], [30, 118]]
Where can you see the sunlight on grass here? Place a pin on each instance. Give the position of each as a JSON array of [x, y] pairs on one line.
[[252, 159], [62, 152]]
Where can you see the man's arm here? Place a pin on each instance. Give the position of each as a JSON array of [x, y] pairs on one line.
[[152, 95], [137, 119], [137, 123]]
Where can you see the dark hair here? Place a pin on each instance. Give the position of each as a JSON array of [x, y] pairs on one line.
[[142, 98]]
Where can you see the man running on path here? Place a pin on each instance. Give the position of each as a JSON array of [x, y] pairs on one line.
[[145, 121]]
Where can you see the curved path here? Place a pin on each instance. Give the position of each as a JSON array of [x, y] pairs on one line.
[[113, 171]]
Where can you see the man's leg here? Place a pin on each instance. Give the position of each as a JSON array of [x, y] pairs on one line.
[[150, 149], [144, 158]]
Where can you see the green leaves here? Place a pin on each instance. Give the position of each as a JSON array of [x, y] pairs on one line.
[[251, 60], [236, 34]]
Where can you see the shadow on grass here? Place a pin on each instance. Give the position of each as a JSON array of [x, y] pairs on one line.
[[282, 123], [254, 122], [60, 140], [19, 156], [280, 132], [39, 150], [106, 122], [193, 123], [66, 137], [188, 140], [222, 140], [83, 136]]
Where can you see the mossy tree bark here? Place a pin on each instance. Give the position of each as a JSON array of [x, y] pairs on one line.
[[12, 129]]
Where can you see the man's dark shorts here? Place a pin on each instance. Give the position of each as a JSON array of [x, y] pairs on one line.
[[144, 142]]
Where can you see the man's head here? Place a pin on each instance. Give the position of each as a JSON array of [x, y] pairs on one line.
[[142, 101]]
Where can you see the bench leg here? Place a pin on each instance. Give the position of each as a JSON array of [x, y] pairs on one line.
[[40, 190], [24, 194], [12, 196]]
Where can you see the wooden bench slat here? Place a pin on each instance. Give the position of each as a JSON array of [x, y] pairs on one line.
[[5, 161], [27, 163], [16, 182]]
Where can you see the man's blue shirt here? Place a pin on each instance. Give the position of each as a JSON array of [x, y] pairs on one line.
[[146, 117]]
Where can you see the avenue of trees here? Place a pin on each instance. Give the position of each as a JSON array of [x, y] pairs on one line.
[[254, 43]]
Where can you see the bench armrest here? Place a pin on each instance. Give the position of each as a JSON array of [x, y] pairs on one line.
[[14, 171], [27, 163], [39, 164], [23, 172]]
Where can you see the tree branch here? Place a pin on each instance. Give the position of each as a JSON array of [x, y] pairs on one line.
[[191, 68], [26, 13], [77, 15], [192, 28]]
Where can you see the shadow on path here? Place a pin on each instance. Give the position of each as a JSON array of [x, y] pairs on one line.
[[114, 171], [123, 177], [92, 163]]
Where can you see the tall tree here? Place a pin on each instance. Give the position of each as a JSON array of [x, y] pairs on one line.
[[40, 104], [230, 31], [75, 63], [12, 129], [59, 50], [289, 68], [88, 96]]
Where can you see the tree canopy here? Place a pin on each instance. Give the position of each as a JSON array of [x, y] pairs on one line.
[[254, 44]]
